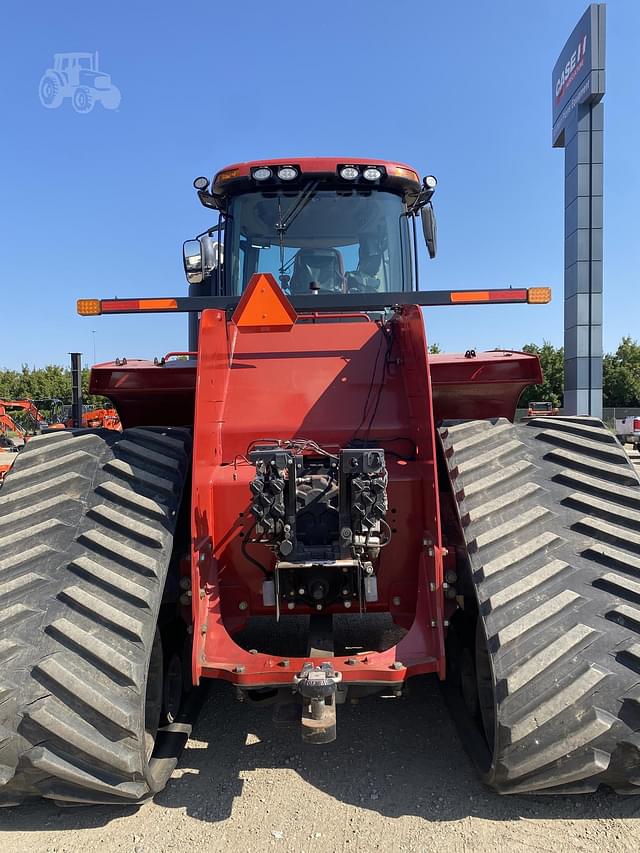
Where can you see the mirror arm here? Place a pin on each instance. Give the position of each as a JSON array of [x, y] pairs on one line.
[[214, 202], [213, 230], [424, 197]]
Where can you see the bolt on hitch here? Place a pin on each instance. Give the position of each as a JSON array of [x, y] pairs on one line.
[[317, 686]]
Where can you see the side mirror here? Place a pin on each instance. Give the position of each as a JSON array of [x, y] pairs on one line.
[[200, 258], [192, 260], [429, 229]]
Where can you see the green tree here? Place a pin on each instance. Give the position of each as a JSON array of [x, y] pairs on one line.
[[552, 385], [621, 375], [45, 383]]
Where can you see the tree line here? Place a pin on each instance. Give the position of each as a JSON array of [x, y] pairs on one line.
[[43, 384], [620, 375], [621, 378]]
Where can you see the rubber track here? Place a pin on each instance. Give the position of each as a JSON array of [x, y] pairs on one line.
[[551, 517], [86, 529]]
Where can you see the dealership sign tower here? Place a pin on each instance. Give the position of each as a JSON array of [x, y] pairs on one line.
[[578, 127]]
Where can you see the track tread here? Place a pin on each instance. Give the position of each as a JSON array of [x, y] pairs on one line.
[[78, 610], [559, 597]]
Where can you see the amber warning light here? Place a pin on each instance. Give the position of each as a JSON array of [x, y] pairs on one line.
[[538, 295], [88, 307]]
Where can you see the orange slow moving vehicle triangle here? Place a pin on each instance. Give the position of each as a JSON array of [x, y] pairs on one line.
[[264, 307]]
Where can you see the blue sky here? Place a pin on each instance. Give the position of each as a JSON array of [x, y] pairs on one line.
[[99, 204]]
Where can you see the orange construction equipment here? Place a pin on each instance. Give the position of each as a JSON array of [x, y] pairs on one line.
[[12, 438], [93, 418], [38, 420], [14, 435]]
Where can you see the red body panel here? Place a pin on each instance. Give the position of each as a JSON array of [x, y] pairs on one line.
[[145, 393], [330, 382], [488, 385], [312, 382]]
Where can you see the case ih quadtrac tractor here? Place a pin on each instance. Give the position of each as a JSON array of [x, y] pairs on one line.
[[307, 462]]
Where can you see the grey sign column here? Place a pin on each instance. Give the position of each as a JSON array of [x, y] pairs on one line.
[[578, 127]]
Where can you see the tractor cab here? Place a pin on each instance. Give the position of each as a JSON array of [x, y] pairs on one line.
[[319, 226], [72, 64]]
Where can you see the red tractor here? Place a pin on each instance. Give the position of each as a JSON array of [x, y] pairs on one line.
[[545, 409], [309, 462]]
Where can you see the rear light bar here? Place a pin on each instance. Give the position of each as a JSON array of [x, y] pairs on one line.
[[324, 302], [532, 295], [93, 307]]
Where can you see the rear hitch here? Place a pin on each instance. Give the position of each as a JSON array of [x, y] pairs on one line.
[[317, 686]]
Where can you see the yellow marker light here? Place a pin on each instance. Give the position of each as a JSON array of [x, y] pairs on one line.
[[226, 176], [88, 307], [399, 172], [538, 295]]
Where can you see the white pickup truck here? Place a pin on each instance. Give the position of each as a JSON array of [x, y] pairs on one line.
[[628, 430]]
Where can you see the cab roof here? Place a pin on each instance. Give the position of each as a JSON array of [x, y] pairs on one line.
[[237, 177]]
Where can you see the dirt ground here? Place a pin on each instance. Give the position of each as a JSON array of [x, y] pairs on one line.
[[397, 779]]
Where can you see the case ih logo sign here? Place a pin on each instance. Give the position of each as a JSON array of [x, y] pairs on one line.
[[578, 75], [574, 66]]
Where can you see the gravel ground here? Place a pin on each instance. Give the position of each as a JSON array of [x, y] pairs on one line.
[[396, 779]]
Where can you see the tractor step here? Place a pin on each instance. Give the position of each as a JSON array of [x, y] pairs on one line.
[[553, 641], [86, 531]]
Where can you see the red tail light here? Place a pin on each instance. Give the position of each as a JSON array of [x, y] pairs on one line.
[[636, 424]]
